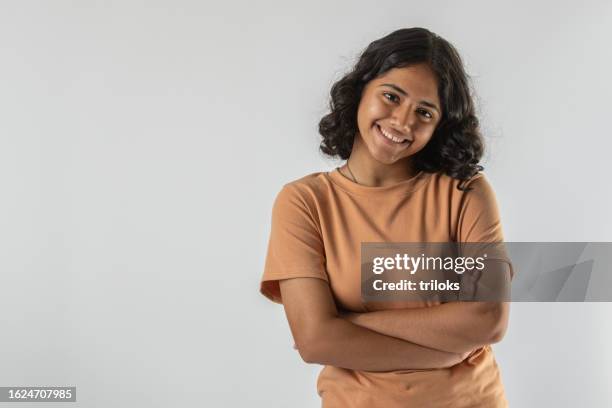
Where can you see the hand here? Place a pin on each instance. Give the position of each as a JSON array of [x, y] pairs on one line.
[[454, 359], [465, 355], [346, 315], [459, 358]]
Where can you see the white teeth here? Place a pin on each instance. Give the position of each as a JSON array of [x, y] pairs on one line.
[[390, 137]]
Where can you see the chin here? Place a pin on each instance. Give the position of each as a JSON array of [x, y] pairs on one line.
[[384, 158]]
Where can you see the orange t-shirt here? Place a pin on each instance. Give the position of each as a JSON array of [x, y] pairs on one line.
[[318, 224]]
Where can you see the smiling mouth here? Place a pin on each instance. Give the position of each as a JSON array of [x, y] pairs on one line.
[[391, 138]]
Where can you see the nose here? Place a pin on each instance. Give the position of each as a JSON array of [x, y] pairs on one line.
[[403, 118]]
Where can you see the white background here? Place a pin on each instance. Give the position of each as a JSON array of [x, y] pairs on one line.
[[143, 143]]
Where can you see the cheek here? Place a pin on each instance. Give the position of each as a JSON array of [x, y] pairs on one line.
[[425, 131], [370, 111], [422, 137]]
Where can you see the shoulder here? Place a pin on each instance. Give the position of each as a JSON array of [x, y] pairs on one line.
[[303, 196], [474, 195], [477, 184], [479, 188], [308, 189], [478, 198]]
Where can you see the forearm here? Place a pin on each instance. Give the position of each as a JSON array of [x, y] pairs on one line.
[[452, 327], [340, 343]]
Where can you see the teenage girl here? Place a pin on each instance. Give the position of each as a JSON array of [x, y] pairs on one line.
[[404, 121]]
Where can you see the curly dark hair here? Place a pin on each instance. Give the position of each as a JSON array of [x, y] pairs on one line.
[[456, 145]]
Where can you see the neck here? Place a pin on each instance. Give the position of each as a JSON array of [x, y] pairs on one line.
[[370, 172]]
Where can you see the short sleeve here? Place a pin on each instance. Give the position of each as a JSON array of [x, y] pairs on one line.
[[295, 246], [479, 220]]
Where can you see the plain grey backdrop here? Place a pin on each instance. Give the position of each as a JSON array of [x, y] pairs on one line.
[[142, 146]]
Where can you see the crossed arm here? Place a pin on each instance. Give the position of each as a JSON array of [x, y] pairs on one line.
[[434, 337], [323, 337], [453, 327]]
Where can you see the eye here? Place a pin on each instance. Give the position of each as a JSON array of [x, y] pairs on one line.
[[390, 96], [426, 113], [394, 98]]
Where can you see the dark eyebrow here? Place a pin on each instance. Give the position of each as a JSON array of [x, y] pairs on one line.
[[423, 102]]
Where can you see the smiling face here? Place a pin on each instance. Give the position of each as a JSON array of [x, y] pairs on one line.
[[398, 113]]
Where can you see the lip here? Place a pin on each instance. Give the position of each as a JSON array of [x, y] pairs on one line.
[[391, 142]]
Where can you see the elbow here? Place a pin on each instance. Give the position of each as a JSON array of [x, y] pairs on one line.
[[307, 351], [312, 344], [498, 314], [308, 356]]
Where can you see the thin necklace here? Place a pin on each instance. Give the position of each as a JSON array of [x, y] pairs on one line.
[[350, 171]]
